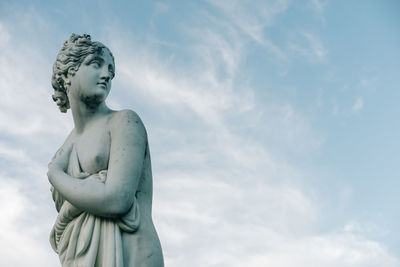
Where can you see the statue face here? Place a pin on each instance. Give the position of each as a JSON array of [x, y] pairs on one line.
[[92, 81]]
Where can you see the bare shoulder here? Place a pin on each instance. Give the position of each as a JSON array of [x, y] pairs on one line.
[[127, 120]]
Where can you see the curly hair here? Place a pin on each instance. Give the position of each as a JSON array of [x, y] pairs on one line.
[[68, 61]]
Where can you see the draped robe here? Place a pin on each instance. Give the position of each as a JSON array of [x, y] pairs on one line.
[[85, 240]]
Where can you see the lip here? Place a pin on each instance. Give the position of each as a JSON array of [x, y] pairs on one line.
[[102, 83]]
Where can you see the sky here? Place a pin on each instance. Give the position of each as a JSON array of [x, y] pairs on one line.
[[273, 126]]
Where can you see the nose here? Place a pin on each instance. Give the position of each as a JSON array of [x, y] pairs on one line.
[[105, 74]]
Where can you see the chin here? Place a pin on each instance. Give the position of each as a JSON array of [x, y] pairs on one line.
[[94, 100]]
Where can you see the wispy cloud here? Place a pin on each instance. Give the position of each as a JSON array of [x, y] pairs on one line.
[[358, 104], [28, 126], [252, 19], [319, 7], [222, 195], [317, 48], [218, 194], [309, 46], [22, 239]]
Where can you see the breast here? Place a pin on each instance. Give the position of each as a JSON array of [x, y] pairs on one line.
[[93, 150]]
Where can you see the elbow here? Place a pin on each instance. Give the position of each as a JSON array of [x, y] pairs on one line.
[[117, 205]]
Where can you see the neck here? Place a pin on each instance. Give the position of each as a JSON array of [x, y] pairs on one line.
[[84, 113]]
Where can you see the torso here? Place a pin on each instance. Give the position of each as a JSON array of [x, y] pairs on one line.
[[93, 145], [93, 149]]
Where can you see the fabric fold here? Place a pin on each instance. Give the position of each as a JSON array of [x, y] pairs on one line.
[[80, 238]]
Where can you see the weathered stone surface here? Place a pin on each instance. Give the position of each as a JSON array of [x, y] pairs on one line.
[[101, 176]]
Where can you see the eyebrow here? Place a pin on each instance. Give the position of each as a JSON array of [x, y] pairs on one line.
[[97, 57]]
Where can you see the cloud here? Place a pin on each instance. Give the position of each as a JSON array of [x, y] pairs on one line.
[[358, 105], [309, 46], [319, 6], [221, 199], [317, 48], [222, 195], [22, 242], [252, 19], [5, 36], [29, 127], [335, 249], [26, 89]]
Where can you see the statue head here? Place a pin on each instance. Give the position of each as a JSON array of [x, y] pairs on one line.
[[68, 61]]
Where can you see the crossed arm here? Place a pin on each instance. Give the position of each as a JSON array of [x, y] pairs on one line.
[[114, 197]]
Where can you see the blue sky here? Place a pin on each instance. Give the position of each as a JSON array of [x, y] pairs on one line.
[[273, 125]]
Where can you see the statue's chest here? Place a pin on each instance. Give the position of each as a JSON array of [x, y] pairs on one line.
[[93, 148]]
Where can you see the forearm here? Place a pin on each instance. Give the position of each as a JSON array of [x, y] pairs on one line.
[[90, 195]]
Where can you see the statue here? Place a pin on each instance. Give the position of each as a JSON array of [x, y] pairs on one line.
[[101, 176]]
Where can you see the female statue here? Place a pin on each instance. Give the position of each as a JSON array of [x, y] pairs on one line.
[[101, 176]]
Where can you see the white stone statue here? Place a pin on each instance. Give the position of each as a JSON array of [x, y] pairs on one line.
[[101, 176]]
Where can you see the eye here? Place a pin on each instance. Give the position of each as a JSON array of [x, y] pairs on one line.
[[111, 71], [95, 63]]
